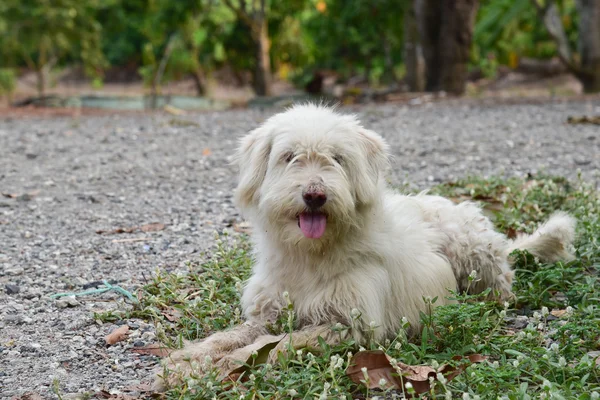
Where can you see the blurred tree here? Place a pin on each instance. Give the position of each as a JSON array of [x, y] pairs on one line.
[[446, 29], [254, 14], [585, 66], [413, 51], [357, 37], [43, 33]]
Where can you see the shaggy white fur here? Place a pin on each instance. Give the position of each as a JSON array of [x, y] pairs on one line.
[[345, 248]]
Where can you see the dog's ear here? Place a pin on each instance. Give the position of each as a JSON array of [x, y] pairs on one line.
[[252, 158], [376, 151]]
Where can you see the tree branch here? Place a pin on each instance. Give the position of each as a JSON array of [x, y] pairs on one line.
[[241, 12], [551, 18]]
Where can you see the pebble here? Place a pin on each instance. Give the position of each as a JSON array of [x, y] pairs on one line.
[[12, 289]]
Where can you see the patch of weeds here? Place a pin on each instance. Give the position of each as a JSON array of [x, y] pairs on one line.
[[551, 354]]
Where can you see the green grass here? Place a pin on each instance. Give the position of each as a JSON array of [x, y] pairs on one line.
[[549, 358]]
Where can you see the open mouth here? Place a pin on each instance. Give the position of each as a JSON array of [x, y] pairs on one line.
[[312, 223]]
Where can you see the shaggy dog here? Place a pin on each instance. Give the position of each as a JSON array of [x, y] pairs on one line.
[[331, 238]]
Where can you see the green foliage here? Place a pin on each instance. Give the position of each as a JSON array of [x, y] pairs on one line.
[[42, 33], [509, 29], [356, 36], [8, 82]]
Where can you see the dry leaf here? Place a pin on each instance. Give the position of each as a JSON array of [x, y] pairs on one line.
[[116, 231], [379, 366], [155, 349], [595, 120], [28, 396], [262, 346], [117, 335], [206, 152], [558, 313], [172, 314], [155, 227]]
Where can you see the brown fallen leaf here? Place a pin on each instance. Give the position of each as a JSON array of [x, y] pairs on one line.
[[172, 314], [116, 231], [117, 335], [380, 366], [28, 396], [558, 313], [595, 120], [154, 349], [230, 365], [155, 227]]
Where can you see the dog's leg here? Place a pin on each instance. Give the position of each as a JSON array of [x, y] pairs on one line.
[[195, 356], [307, 338]]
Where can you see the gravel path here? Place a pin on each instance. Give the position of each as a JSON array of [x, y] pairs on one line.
[[74, 177]]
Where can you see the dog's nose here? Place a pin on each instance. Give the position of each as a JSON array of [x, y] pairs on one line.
[[314, 199]]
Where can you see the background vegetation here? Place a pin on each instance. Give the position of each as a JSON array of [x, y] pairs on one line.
[[258, 41]]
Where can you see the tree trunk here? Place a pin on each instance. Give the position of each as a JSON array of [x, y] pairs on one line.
[[262, 69], [456, 35], [429, 19], [199, 81], [446, 30], [589, 44], [413, 52]]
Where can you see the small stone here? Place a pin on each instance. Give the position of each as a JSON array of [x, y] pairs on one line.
[[12, 289], [139, 343], [15, 271], [148, 336]]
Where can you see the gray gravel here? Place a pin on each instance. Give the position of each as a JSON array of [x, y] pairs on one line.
[[64, 179]]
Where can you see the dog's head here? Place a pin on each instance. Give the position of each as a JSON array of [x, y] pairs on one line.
[[310, 173]]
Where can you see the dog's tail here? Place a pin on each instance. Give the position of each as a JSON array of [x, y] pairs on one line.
[[552, 241]]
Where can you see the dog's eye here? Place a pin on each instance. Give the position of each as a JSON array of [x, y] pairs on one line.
[[338, 159], [288, 157]]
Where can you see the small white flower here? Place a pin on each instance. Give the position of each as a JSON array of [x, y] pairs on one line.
[[562, 362], [408, 386], [541, 326], [503, 314], [537, 316], [209, 385], [252, 377], [372, 324], [545, 311], [569, 311], [506, 305], [473, 275], [404, 321], [398, 346], [554, 347], [382, 383], [365, 374], [339, 326], [286, 295], [440, 377], [595, 395], [495, 364], [435, 364], [355, 313], [466, 396], [515, 364], [292, 392], [360, 348], [448, 395], [254, 354], [546, 384]]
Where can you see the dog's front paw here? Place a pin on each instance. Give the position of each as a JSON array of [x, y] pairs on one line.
[[193, 360]]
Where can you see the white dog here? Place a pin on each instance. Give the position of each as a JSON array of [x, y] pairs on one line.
[[333, 239]]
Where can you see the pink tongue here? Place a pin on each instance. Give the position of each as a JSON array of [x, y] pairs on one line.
[[313, 224]]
